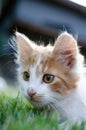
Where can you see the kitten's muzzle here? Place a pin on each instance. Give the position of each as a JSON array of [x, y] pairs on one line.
[[31, 93]]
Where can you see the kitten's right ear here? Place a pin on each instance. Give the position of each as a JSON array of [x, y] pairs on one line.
[[24, 47], [66, 50]]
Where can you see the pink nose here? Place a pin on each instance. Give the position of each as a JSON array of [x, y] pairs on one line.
[[31, 92]]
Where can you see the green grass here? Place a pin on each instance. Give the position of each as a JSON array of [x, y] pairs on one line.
[[18, 114]]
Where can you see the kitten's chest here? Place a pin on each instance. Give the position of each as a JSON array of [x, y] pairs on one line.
[[73, 107], [82, 89]]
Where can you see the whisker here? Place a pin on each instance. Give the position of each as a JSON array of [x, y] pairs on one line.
[[39, 95], [13, 44]]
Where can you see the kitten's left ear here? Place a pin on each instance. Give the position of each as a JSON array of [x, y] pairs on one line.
[[65, 50], [24, 47]]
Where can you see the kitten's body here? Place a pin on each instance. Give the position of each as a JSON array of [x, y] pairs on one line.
[[53, 75]]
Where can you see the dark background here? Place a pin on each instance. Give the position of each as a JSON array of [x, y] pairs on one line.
[[40, 20]]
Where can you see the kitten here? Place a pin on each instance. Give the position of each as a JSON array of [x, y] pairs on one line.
[[53, 75]]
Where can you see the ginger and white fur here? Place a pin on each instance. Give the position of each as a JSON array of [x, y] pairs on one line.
[[67, 93]]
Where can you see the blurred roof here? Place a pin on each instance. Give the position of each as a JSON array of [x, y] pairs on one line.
[[80, 2]]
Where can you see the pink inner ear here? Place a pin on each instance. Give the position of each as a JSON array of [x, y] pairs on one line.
[[70, 58], [67, 59], [67, 52]]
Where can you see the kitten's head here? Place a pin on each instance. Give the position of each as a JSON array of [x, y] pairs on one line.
[[48, 74]]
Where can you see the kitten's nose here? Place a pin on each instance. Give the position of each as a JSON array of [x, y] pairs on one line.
[[31, 93]]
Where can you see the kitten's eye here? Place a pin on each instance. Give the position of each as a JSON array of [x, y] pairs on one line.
[[48, 78], [26, 76]]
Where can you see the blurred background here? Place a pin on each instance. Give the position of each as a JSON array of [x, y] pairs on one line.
[[40, 20]]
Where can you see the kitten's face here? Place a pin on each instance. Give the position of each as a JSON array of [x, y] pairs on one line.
[[46, 73]]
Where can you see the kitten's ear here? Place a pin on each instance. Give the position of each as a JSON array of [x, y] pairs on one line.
[[65, 50], [24, 47]]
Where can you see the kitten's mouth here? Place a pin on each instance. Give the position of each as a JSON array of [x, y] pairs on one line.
[[36, 100], [36, 103]]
